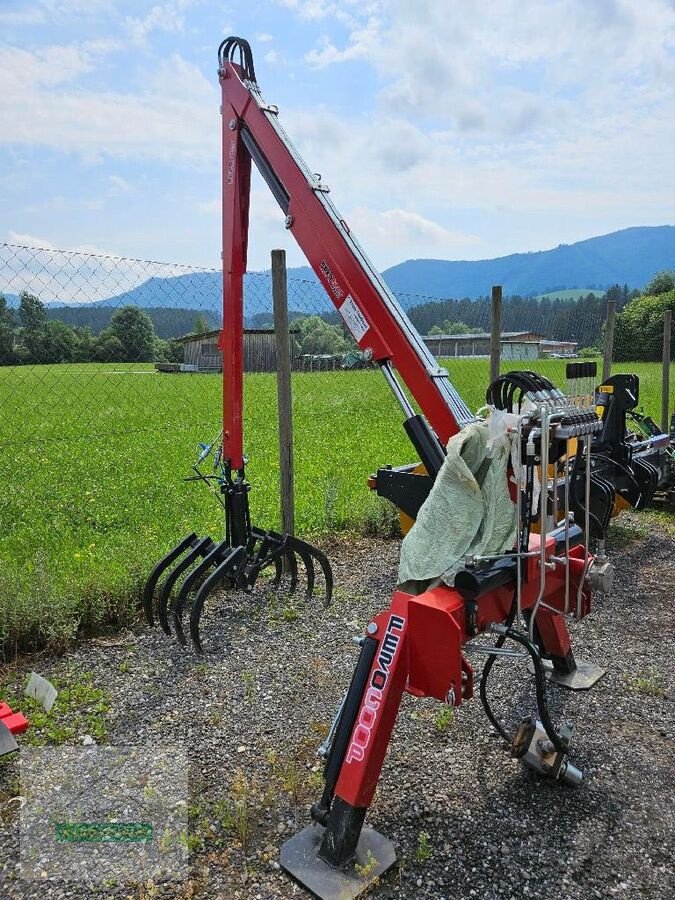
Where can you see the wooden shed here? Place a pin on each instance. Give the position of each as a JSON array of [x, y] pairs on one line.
[[202, 354]]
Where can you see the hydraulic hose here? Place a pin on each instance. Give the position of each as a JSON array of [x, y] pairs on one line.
[[540, 684], [487, 668]]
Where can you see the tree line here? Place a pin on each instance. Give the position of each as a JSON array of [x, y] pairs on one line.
[[29, 336]]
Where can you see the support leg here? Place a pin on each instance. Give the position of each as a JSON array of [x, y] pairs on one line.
[[560, 665], [343, 858]]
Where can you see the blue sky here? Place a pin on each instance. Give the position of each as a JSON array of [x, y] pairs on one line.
[[451, 129]]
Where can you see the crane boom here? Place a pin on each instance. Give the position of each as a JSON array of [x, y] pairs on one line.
[[371, 312]]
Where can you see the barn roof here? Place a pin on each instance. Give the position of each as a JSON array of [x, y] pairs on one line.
[[205, 335]]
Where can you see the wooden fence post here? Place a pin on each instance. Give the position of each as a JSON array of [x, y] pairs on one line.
[[495, 332], [284, 397], [609, 340], [665, 384]]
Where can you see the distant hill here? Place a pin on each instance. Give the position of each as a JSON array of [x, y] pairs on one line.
[[203, 291], [631, 256]]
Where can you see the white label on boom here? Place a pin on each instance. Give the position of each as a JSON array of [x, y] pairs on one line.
[[354, 318]]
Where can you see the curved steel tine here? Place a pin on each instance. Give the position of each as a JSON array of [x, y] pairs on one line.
[[278, 572], [323, 562], [162, 565], [289, 556], [178, 605], [230, 566], [309, 569], [201, 549]]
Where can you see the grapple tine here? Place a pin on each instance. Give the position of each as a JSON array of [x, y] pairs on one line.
[[178, 605], [231, 566], [289, 556], [201, 549], [323, 562], [309, 569], [278, 571], [155, 575]]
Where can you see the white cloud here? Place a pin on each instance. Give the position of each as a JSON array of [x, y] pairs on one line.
[[397, 234], [263, 38], [28, 240], [39, 105], [161, 17], [271, 57], [28, 16], [118, 185]]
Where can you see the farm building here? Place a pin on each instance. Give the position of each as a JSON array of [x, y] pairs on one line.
[[564, 348], [514, 344], [202, 354]]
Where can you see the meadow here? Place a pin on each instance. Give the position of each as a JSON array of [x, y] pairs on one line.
[[93, 459]]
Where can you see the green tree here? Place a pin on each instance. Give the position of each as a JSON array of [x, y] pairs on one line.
[[638, 334], [449, 327], [59, 343], [7, 355], [108, 348], [661, 283], [201, 324], [86, 343], [316, 336], [33, 319], [134, 330], [32, 315]]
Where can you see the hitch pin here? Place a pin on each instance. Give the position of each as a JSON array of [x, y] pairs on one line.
[[325, 747]]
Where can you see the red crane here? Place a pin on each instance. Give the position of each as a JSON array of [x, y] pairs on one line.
[[419, 643]]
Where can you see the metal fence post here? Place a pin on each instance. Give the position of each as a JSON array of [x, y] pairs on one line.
[[665, 385], [284, 397], [609, 340], [495, 332]]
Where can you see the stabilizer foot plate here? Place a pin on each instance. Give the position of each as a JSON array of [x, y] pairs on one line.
[[584, 676], [374, 855]]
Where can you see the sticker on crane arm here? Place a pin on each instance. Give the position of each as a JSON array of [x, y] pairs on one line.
[[354, 318]]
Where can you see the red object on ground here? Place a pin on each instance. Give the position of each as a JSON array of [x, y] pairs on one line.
[[16, 722]]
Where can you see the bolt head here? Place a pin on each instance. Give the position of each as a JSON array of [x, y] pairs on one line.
[[372, 628], [233, 124]]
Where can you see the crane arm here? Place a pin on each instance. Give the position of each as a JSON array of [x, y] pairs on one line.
[[376, 320]]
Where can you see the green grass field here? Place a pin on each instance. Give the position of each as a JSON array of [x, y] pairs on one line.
[[93, 458]]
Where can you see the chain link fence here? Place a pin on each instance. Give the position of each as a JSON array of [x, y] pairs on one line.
[[88, 343], [109, 380]]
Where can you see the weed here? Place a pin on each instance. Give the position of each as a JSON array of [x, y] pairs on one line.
[[649, 684], [366, 868], [424, 851], [290, 613], [444, 719]]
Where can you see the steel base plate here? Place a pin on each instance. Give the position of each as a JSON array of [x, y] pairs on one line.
[[581, 679], [374, 855], [7, 742]]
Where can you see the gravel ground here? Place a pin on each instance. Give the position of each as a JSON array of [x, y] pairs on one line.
[[466, 819]]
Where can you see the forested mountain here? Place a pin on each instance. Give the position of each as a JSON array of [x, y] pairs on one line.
[[630, 256]]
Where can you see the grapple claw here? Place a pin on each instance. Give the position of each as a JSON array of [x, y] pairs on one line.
[[177, 607], [235, 562], [200, 549], [231, 567], [156, 574]]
